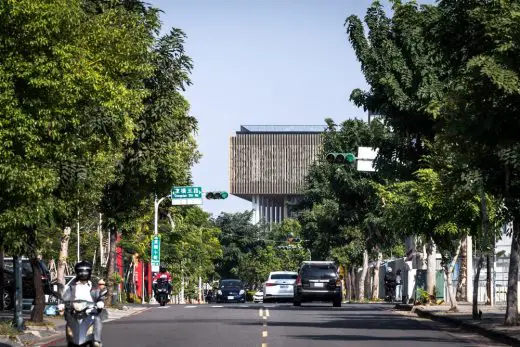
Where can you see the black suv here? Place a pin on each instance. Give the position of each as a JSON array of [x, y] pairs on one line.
[[27, 281], [318, 281]]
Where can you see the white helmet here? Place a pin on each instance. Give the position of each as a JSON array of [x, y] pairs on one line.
[[389, 269]]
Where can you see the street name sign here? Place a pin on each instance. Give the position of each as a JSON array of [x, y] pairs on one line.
[[186, 196], [156, 253]]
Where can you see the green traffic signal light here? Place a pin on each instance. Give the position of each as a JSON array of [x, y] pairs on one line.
[[340, 158], [216, 195]]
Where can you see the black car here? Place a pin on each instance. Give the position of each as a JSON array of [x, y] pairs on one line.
[[231, 290], [27, 281], [318, 281]]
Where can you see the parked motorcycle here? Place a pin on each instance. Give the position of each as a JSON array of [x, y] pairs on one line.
[[162, 292], [80, 316]]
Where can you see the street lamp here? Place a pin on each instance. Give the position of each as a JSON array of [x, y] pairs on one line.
[[156, 204]]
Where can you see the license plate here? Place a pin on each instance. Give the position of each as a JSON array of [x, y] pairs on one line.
[[284, 287], [230, 297], [319, 285]]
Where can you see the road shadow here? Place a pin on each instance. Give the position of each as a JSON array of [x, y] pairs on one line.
[[383, 339]]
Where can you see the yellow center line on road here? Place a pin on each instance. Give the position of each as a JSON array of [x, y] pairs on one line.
[[264, 313]]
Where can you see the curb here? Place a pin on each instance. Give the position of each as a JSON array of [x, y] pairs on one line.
[[489, 333]]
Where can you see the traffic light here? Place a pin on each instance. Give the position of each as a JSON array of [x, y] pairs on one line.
[[340, 158], [216, 195]]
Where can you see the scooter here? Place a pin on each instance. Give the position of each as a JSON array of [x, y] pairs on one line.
[[161, 292], [80, 316]]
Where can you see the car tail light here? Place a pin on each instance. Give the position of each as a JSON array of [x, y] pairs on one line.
[[270, 284], [298, 281]]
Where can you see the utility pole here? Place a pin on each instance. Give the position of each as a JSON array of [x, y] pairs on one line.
[[78, 237]]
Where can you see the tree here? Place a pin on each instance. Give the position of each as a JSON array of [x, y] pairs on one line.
[[339, 205], [238, 237], [192, 247], [163, 148], [71, 87], [478, 43], [403, 72]]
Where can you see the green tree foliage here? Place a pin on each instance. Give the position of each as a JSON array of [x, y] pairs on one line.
[[71, 86], [478, 42], [340, 204], [191, 248], [238, 237], [403, 71]]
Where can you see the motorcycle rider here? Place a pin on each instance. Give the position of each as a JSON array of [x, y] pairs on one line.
[[82, 288], [390, 283], [163, 274]]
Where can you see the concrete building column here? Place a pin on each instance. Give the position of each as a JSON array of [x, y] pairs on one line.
[[256, 209], [260, 208]]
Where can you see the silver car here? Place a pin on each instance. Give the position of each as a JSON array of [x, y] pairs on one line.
[[280, 286]]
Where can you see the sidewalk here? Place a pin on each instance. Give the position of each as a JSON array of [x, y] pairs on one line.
[[491, 325], [42, 335]]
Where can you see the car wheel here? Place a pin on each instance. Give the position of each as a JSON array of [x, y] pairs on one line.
[[297, 303]]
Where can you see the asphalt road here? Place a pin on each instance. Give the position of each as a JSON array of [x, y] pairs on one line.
[[273, 325]]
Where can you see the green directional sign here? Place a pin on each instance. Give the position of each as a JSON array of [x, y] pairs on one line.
[[186, 195], [156, 253]]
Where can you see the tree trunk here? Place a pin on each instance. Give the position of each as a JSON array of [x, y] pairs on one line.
[[431, 253], [475, 287], [375, 285], [349, 286], [64, 254], [39, 296], [488, 279], [462, 284], [448, 270], [2, 255], [353, 282], [111, 265], [512, 280], [100, 236], [361, 293]]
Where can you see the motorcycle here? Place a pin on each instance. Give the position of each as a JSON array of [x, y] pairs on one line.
[[161, 292], [390, 292], [80, 316]]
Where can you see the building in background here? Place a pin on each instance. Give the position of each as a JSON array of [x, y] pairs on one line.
[[268, 165]]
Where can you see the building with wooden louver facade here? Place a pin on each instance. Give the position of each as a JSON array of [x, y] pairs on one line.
[[268, 165]]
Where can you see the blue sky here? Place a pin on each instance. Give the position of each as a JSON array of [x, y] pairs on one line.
[[262, 62]]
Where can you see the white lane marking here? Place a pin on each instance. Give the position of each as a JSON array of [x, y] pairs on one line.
[[217, 306], [264, 333], [261, 312], [267, 313], [190, 306]]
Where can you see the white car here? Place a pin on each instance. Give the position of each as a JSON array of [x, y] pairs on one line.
[[258, 297], [280, 286]]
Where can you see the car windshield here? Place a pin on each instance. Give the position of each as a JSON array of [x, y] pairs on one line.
[[320, 271], [230, 284], [284, 276]]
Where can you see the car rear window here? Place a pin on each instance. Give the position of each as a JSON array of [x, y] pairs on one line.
[[229, 284], [283, 276], [319, 271]]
